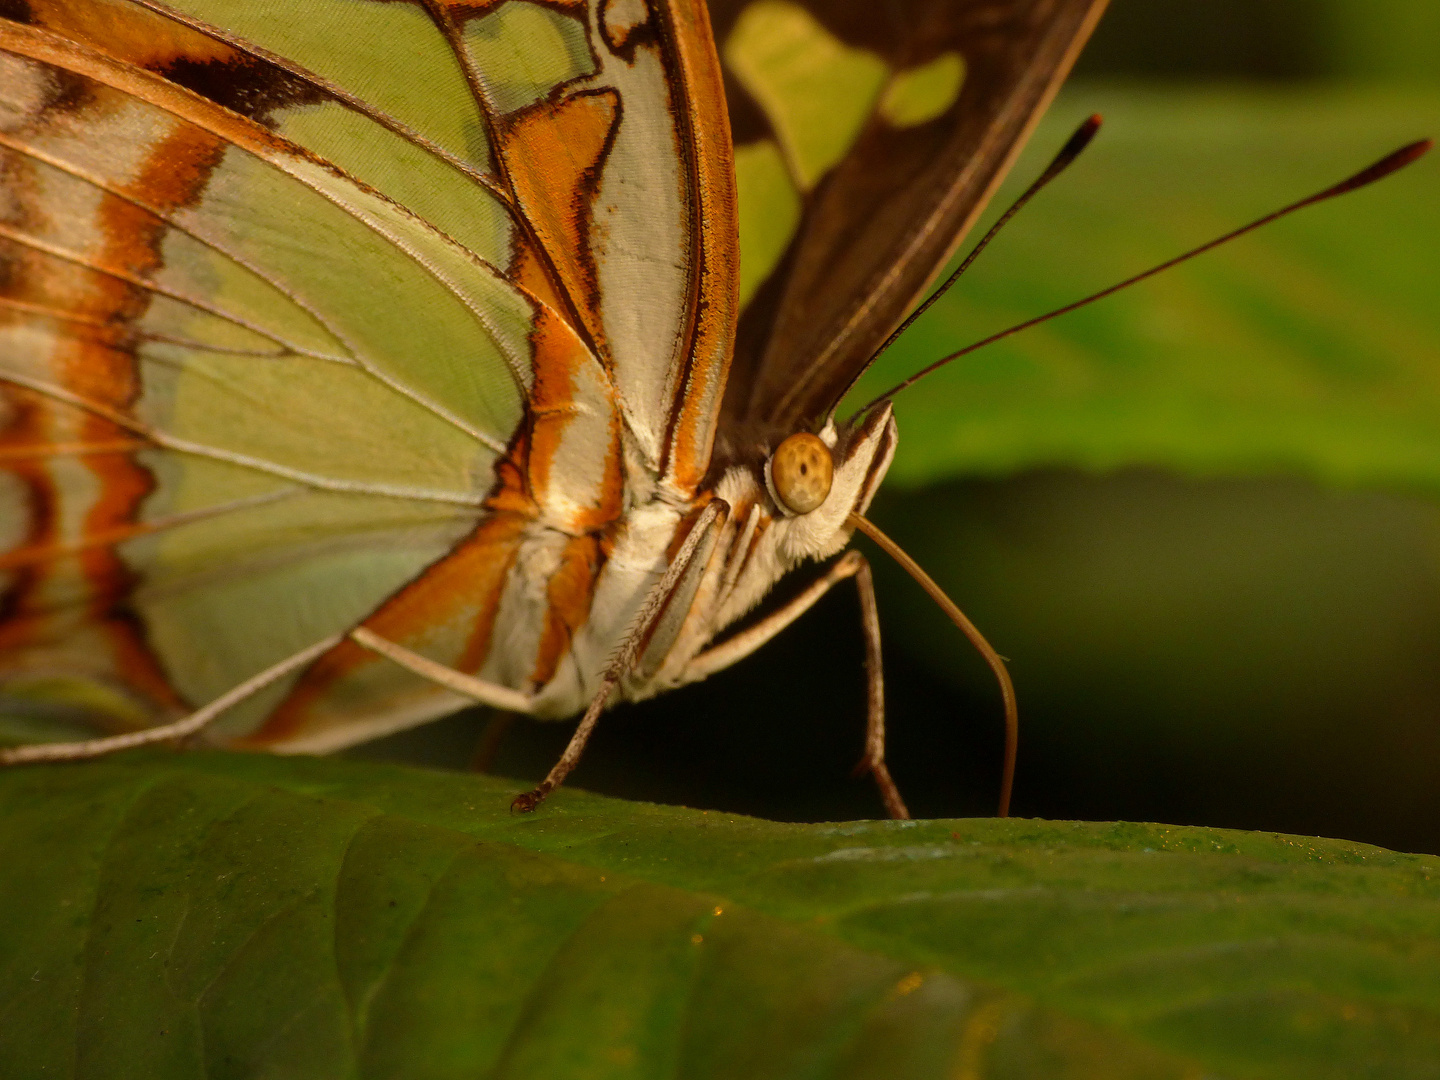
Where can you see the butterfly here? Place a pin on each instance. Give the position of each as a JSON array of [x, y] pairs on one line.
[[361, 360]]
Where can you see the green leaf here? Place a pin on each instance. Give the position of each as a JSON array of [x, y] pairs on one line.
[[1310, 348], [240, 916]]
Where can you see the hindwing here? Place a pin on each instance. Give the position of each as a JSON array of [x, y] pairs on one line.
[[310, 310]]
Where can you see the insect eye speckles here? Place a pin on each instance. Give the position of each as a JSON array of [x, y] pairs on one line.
[[801, 471]]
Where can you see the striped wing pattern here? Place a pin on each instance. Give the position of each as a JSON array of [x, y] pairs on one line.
[[314, 314]]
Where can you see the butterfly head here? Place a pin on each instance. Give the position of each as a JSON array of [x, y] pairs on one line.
[[815, 481], [795, 503]]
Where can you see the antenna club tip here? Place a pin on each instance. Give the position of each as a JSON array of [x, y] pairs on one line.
[[1414, 152], [1390, 163], [1074, 145]]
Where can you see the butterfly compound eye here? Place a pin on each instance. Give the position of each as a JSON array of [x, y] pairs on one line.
[[801, 470]]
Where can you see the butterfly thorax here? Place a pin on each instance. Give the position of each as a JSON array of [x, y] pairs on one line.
[[754, 542], [759, 541]]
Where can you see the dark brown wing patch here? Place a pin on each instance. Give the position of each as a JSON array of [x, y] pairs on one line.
[[878, 225]]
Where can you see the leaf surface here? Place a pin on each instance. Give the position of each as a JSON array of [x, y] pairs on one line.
[[233, 916]]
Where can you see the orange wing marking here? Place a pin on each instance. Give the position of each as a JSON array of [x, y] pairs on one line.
[[70, 449], [129, 32], [462, 591], [66, 581], [715, 296], [564, 407], [569, 594], [554, 153]]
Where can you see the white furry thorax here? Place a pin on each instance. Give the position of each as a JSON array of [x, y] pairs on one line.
[[760, 541], [757, 543]]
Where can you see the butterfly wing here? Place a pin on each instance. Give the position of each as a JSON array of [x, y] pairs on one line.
[[289, 285], [868, 137]]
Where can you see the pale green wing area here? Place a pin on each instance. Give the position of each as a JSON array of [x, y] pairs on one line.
[[375, 89], [256, 569], [523, 51], [372, 88], [389, 56], [770, 207], [363, 397], [816, 91], [324, 377]]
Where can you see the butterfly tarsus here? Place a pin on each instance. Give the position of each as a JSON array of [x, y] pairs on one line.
[[527, 801]]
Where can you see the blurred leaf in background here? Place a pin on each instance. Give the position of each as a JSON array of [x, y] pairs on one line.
[[1310, 348], [1250, 40]]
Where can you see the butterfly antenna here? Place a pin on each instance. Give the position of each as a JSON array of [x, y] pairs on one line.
[[1068, 153], [1381, 169], [994, 659]]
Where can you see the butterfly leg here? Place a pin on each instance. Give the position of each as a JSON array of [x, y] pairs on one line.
[[656, 603], [873, 760], [180, 729], [850, 565], [486, 693]]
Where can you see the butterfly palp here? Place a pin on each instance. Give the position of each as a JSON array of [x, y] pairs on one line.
[[801, 471]]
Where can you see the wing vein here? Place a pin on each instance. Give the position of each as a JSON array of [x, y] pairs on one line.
[[55, 251], [27, 556], [249, 461], [357, 104], [357, 357], [489, 114], [63, 315]]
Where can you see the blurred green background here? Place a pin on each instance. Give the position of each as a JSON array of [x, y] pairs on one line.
[[1202, 519]]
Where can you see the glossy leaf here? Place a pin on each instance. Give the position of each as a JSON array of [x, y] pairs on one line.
[[234, 916]]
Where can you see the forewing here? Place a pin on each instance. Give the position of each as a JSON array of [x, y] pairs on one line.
[[868, 136]]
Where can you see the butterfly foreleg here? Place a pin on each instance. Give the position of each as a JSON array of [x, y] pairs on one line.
[[850, 565], [180, 729]]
